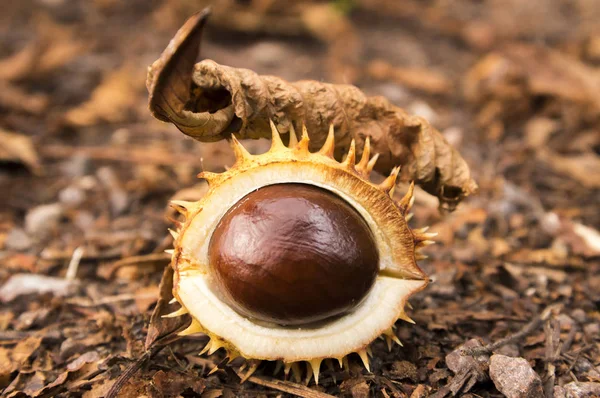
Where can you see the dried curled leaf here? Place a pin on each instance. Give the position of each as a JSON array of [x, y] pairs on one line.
[[209, 102]]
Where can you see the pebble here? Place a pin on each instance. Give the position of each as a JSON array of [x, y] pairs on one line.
[[515, 378], [41, 220], [17, 239]]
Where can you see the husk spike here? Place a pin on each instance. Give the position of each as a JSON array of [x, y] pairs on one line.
[[293, 138], [276, 143], [421, 230], [329, 145], [174, 314], [302, 146], [296, 372], [406, 318], [364, 358], [173, 301], [364, 160], [211, 178], [371, 164], [174, 233], [254, 364], [315, 364], [214, 346], [170, 251], [182, 206], [405, 202], [241, 154], [206, 347], [390, 182], [389, 342], [194, 328], [286, 368], [350, 160]]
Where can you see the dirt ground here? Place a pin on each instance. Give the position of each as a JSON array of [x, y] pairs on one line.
[[86, 174]]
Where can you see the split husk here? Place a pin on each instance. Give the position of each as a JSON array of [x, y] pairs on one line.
[[209, 102]]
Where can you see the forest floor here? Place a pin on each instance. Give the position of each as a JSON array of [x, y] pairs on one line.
[[86, 174]]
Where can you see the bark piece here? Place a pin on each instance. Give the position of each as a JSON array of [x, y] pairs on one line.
[[468, 369], [209, 102]]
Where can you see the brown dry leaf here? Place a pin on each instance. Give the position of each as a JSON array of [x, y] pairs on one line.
[[585, 168], [521, 70], [54, 46], [23, 350], [15, 98], [19, 148], [112, 101], [426, 80], [209, 102], [159, 326]]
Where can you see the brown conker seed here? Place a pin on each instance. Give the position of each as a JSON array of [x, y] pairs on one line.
[[293, 254]]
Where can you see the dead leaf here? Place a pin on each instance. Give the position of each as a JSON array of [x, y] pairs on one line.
[[415, 78], [17, 99], [209, 102], [54, 46], [159, 326], [585, 168], [20, 149], [112, 101], [521, 70], [23, 350]]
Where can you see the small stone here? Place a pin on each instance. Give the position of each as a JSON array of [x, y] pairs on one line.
[[458, 361], [71, 196], [17, 239], [41, 220], [76, 166], [515, 378], [592, 330], [579, 315], [22, 284], [269, 53], [582, 390]]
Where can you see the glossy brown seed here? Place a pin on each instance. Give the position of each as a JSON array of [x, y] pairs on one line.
[[293, 254]]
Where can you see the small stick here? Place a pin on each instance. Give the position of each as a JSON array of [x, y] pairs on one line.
[[529, 328], [74, 264], [132, 370]]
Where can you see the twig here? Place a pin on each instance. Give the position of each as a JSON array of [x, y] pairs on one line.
[[529, 328], [288, 387], [74, 264], [131, 370]]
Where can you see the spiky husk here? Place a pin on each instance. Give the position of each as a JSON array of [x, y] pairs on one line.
[[399, 276]]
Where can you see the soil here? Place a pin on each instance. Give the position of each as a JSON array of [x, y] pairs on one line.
[[86, 174]]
